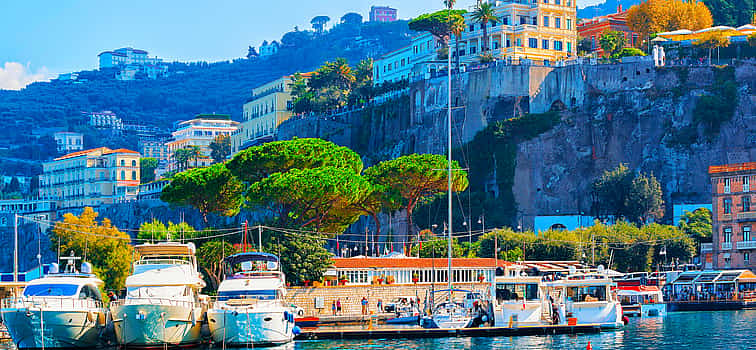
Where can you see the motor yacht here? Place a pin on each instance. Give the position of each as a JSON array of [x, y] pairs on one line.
[[250, 309], [59, 310], [163, 304], [642, 301], [584, 298]]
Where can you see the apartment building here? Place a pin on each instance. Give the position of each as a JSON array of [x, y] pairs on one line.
[[90, 178], [270, 105], [69, 141], [104, 120], [200, 132], [407, 62], [594, 28], [542, 31], [382, 14], [126, 56], [733, 196]]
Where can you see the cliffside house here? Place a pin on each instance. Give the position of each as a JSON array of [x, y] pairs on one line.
[[201, 132], [382, 14], [69, 141], [129, 61], [733, 196], [595, 27], [411, 62]]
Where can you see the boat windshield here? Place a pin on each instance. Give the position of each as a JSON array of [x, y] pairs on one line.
[[51, 290], [158, 292], [263, 294], [586, 293], [510, 291]]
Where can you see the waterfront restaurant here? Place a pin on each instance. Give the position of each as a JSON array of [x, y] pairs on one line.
[[712, 285]]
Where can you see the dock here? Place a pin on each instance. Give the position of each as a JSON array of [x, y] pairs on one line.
[[409, 333]]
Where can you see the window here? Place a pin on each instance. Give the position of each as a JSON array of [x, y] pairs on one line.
[[569, 47], [586, 294], [123, 162], [747, 258], [545, 21], [545, 44], [523, 20], [133, 162], [493, 23], [746, 233], [557, 22], [473, 49], [727, 234], [593, 42], [506, 20], [569, 24], [472, 27], [746, 184], [123, 175], [557, 45], [527, 291], [746, 200], [533, 43], [727, 205], [133, 175], [535, 20], [557, 2], [519, 42], [727, 185]]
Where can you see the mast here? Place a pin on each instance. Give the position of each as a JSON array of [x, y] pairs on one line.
[[449, 155]]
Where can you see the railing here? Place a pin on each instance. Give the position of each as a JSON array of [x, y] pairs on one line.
[[155, 301], [746, 245], [726, 246], [707, 247], [747, 215], [51, 303]]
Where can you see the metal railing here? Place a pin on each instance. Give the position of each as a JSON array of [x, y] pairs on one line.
[[155, 301], [707, 247], [746, 245], [747, 215], [726, 246], [50, 303]]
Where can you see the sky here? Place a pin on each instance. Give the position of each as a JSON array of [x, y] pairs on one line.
[[40, 39]]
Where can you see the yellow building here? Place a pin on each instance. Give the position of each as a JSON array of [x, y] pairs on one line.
[[270, 105], [91, 177], [543, 31]]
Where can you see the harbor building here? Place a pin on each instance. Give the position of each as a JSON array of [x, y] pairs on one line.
[[382, 14], [270, 105], [594, 28], [543, 31], [69, 141], [90, 178], [410, 62], [734, 215], [404, 270], [200, 132]]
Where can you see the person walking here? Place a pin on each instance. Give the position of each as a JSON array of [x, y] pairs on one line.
[[338, 306], [112, 297], [333, 307], [364, 305]]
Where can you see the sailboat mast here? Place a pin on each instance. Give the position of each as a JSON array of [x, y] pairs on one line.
[[449, 155]]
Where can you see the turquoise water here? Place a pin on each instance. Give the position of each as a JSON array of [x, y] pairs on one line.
[[679, 330]]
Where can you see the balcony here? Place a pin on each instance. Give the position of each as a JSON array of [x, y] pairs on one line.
[[746, 245], [726, 246], [749, 215], [707, 247]]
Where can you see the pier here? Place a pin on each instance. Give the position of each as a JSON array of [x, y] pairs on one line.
[[414, 333]]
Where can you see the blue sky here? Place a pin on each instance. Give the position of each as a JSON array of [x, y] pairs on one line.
[[42, 38]]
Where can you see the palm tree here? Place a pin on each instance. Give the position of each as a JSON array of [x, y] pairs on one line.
[[341, 73], [484, 13], [457, 26], [449, 3], [181, 156], [194, 152]]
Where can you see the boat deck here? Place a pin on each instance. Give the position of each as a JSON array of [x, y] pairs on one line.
[[381, 333]]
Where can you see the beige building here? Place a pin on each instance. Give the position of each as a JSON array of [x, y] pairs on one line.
[[91, 177], [200, 132], [544, 31], [270, 105]]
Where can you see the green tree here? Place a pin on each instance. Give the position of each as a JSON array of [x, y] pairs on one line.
[[210, 257], [711, 41], [752, 40], [438, 248], [156, 230], [147, 168], [181, 156], [644, 199], [623, 194], [731, 13], [363, 90], [194, 153], [585, 46], [457, 27], [628, 52], [437, 23], [220, 148], [483, 13], [99, 243], [210, 190], [320, 198], [417, 178], [259, 162], [303, 256], [612, 42], [302, 97], [697, 224], [319, 22]]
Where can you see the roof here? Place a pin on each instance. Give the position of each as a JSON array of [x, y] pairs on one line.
[[166, 248], [120, 150], [250, 256], [714, 276], [103, 150], [408, 263], [729, 168]]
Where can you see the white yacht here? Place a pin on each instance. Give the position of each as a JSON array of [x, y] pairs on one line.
[[250, 310], [163, 305], [59, 310], [644, 301], [519, 301]]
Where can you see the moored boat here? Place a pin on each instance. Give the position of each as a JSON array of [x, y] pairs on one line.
[[642, 301], [585, 298], [163, 305], [250, 309], [405, 314], [59, 310]]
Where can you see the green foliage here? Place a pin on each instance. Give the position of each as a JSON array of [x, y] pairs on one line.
[[483, 13], [156, 231], [99, 243], [210, 257], [147, 168], [220, 148], [683, 137], [752, 40], [713, 110], [486, 58], [321, 198], [303, 257], [183, 156], [623, 194], [259, 162], [697, 224], [438, 248], [731, 13], [584, 46], [437, 23], [335, 84], [612, 42], [210, 190], [628, 52]]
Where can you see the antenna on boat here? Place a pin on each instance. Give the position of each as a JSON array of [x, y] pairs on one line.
[[70, 264], [449, 155]]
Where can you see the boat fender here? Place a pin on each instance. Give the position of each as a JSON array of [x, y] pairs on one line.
[[484, 319], [589, 347], [91, 317], [101, 319], [193, 318], [296, 330], [286, 316], [625, 320]]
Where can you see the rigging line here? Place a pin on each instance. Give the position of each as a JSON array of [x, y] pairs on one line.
[[50, 222]]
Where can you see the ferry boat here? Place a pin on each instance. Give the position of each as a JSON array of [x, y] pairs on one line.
[[163, 305], [59, 310], [644, 301], [250, 309]]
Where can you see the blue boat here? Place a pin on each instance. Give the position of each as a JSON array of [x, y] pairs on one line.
[[406, 314]]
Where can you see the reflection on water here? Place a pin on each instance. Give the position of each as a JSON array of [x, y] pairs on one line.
[[679, 330]]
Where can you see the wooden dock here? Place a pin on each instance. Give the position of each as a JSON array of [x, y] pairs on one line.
[[382, 333]]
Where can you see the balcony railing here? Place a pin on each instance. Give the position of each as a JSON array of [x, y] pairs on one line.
[[707, 247], [726, 246], [749, 215], [746, 245]]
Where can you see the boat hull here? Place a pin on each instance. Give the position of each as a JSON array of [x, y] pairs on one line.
[[403, 320], [157, 325], [57, 329], [250, 328]]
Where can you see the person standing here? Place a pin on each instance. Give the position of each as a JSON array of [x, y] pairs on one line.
[[380, 305], [333, 307], [338, 306], [364, 305]]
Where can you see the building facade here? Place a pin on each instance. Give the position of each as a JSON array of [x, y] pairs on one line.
[[104, 120], [402, 270], [734, 215], [542, 31], [69, 141], [407, 62], [269, 49], [382, 14], [200, 132], [90, 178], [594, 28], [126, 56], [270, 105]]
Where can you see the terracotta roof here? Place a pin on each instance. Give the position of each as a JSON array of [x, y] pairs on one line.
[[120, 150], [104, 150], [356, 263], [728, 168]]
